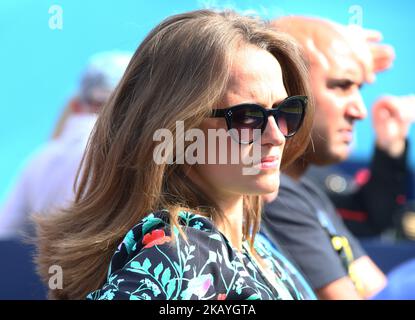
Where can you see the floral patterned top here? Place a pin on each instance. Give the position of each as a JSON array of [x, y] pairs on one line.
[[149, 265]]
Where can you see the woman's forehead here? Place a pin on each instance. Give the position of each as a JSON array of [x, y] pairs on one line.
[[256, 74]]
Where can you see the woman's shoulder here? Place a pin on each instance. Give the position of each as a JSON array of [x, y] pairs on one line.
[[157, 232], [155, 262], [157, 225], [186, 219]]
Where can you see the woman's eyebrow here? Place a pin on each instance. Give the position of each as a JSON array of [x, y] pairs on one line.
[[263, 104], [276, 104]]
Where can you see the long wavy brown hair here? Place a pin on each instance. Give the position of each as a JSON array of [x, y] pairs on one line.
[[179, 72]]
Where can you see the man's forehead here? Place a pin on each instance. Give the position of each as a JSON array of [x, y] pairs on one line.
[[329, 46], [343, 63]]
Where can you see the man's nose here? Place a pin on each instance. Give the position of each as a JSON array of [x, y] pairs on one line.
[[356, 108]]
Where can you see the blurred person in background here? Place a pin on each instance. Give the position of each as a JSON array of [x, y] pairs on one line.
[[303, 220], [373, 200], [47, 180]]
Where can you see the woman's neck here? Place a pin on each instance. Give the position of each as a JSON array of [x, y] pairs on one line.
[[231, 226], [232, 207]]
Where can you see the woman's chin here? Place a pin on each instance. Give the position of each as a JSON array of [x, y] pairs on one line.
[[268, 184], [266, 188], [269, 197]]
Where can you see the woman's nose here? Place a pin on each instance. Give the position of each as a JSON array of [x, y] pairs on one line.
[[272, 133]]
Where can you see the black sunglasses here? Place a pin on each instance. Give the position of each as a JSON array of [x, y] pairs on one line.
[[288, 114]]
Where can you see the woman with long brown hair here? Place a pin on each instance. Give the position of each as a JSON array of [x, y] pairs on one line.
[[145, 228]]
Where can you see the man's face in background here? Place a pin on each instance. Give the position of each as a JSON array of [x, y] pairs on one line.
[[336, 77]]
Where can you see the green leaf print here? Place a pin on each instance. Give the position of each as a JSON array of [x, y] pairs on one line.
[[149, 222], [215, 237], [158, 270], [170, 288], [166, 276], [254, 297], [146, 264], [129, 241]]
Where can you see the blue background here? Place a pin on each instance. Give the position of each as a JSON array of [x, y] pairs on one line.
[[40, 66]]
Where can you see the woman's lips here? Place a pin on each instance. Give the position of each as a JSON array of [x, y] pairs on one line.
[[270, 162]]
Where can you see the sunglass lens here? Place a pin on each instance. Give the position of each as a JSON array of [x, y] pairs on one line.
[[245, 119], [290, 116]]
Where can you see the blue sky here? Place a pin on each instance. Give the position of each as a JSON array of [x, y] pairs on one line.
[[40, 66]]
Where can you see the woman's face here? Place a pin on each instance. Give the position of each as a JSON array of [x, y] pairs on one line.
[[256, 77]]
